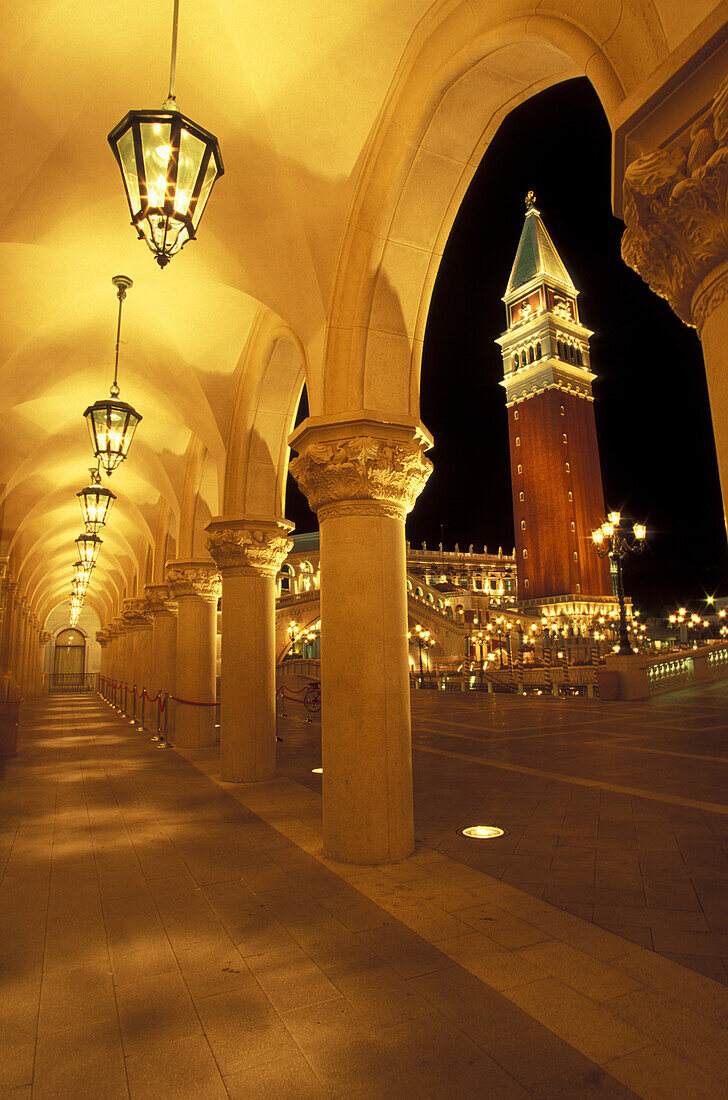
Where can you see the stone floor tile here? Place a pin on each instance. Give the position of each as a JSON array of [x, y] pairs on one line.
[[291, 980], [344, 1053], [86, 1059], [579, 971], [285, 1078], [155, 1011], [591, 1028], [244, 1030], [377, 992], [655, 1073], [406, 952], [175, 1070]]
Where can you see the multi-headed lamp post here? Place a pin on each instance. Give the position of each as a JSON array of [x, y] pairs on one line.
[[615, 541], [422, 637]]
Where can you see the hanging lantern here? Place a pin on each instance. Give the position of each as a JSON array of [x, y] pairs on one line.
[[168, 165], [95, 503], [88, 547], [82, 570], [112, 423]]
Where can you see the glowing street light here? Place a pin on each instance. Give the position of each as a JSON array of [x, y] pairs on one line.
[[613, 540]]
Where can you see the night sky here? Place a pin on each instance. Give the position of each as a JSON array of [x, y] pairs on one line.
[[651, 401]]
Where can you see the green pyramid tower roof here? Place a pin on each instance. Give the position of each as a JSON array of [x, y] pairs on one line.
[[536, 255]]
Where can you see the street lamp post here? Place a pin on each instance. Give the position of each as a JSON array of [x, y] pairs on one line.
[[422, 637], [614, 541]]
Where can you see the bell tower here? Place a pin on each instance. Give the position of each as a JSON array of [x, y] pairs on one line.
[[558, 498]]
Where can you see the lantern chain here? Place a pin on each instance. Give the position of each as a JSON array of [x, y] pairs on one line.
[[122, 284], [171, 100]]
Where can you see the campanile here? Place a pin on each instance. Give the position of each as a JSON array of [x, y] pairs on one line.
[[558, 498]]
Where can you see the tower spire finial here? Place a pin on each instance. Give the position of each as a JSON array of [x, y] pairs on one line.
[[530, 201]]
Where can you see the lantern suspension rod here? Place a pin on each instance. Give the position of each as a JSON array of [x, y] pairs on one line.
[[171, 99], [122, 284]]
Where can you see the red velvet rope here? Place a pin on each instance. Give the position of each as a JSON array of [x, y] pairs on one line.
[[191, 702]]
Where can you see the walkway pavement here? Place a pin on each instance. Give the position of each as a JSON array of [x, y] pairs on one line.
[[163, 934]]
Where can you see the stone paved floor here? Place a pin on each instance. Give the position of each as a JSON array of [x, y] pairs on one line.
[[616, 812], [165, 935]]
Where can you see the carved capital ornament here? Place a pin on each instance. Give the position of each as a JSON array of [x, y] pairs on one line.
[[337, 474], [194, 578], [246, 547], [676, 235]]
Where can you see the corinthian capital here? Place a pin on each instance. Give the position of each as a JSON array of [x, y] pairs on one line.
[[362, 463], [159, 598], [194, 578], [135, 613], [241, 546], [675, 212]]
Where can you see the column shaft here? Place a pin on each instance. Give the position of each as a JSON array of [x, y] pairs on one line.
[[195, 680], [366, 740]]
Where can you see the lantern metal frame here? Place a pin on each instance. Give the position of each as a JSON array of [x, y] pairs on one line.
[[163, 215], [88, 547], [112, 423], [96, 502]]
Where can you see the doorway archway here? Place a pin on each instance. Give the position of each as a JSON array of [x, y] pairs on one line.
[[69, 661]]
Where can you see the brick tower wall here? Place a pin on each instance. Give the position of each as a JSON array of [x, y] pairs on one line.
[[540, 425]]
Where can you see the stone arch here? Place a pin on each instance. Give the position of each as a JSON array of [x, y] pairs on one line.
[[271, 379], [462, 74]]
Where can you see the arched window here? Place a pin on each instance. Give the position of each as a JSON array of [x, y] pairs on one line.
[[523, 525], [559, 349], [515, 361], [523, 358], [571, 495], [526, 583], [419, 592], [521, 495], [578, 356], [286, 577], [578, 587], [561, 409], [564, 437], [538, 350], [573, 526], [530, 354], [518, 441], [576, 555], [440, 604], [515, 414], [525, 552], [568, 468], [409, 584], [520, 468], [572, 357], [430, 597]]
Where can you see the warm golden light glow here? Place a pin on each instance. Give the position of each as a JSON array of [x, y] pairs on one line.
[[483, 832]]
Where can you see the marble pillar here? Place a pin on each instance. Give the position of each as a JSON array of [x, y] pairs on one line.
[[249, 553], [195, 585], [163, 611], [676, 238], [362, 477]]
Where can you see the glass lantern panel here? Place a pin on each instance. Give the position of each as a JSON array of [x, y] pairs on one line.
[[210, 177], [156, 150], [125, 147], [191, 152]]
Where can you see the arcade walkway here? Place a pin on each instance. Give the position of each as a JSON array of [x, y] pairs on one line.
[[163, 935]]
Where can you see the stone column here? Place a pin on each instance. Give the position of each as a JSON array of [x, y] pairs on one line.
[[196, 587], [44, 639], [22, 652], [362, 477], [676, 214], [103, 639], [163, 611], [249, 552], [139, 627]]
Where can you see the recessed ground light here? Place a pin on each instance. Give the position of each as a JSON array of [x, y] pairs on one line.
[[482, 832], [317, 771]]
